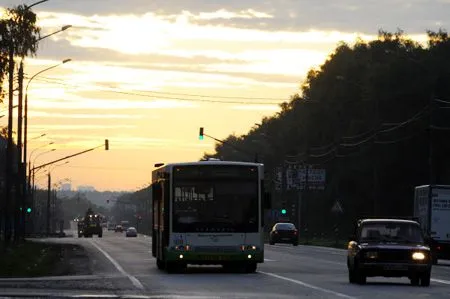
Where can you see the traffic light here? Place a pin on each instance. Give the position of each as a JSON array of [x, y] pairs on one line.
[[283, 211], [28, 210], [106, 145], [200, 135]]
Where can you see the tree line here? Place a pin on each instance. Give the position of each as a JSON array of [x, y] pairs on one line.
[[374, 115]]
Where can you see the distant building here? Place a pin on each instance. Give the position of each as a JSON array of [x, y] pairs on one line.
[[86, 188], [66, 187]]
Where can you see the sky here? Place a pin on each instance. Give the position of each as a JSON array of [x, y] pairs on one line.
[[146, 74]]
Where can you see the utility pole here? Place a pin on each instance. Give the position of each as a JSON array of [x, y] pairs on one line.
[[21, 176], [49, 195], [9, 149], [376, 159], [431, 175]]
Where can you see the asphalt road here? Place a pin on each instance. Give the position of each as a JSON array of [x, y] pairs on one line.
[[124, 267]]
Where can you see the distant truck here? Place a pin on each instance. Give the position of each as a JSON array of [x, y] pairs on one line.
[[90, 225], [432, 210]]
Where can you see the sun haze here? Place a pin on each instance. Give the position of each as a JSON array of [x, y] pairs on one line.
[[147, 75]]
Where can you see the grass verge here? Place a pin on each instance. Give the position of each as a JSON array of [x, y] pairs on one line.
[[33, 259]]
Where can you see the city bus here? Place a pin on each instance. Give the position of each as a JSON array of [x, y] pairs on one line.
[[208, 212]]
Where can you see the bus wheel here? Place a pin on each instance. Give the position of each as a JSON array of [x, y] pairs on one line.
[[173, 267], [160, 264], [231, 267], [251, 268]]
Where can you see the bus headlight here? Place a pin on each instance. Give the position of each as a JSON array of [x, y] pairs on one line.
[[248, 247], [418, 256]]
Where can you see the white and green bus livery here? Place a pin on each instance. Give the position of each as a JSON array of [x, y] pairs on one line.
[[208, 212]]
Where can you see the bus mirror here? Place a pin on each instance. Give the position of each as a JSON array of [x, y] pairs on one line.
[[267, 200]]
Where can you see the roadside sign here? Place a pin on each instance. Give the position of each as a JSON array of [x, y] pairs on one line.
[[337, 208]]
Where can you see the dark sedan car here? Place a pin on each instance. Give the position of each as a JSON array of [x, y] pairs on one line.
[[389, 248], [284, 233]]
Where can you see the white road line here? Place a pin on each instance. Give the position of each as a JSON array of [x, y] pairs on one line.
[[269, 260], [133, 279], [307, 285], [441, 281]]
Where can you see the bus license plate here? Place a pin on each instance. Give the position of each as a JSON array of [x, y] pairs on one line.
[[214, 258]]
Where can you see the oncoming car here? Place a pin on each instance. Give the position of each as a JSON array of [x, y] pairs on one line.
[[389, 248]]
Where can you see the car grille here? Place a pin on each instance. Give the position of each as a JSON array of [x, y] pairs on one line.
[[285, 233], [392, 256], [216, 249]]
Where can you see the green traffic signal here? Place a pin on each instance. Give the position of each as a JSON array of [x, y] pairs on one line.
[[283, 211], [200, 135], [28, 210]]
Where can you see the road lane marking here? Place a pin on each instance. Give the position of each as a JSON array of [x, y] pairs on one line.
[[133, 279], [307, 285], [441, 281], [269, 260]]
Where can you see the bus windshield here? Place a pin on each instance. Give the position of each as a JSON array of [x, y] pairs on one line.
[[219, 205]]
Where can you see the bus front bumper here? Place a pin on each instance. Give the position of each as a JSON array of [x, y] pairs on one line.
[[192, 257]]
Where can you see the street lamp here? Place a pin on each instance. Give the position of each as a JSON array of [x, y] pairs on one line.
[[26, 107], [63, 28], [52, 150], [42, 146], [40, 136]]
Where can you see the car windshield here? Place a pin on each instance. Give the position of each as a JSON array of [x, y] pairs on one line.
[[391, 232], [285, 226]]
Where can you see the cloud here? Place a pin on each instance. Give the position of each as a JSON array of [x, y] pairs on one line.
[[45, 114], [347, 15]]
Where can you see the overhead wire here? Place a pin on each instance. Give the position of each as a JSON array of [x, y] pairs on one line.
[[415, 117], [134, 93]]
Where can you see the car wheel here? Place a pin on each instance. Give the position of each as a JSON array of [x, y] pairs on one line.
[[160, 264], [360, 276], [414, 281], [351, 276], [425, 279], [435, 260]]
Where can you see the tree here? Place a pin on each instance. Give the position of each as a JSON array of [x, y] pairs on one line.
[[364, 116], [19, 33]]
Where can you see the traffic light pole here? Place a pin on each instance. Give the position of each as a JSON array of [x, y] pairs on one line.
[[255, 155], [106, 145]]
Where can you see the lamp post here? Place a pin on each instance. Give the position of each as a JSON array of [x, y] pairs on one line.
[[26, 107]]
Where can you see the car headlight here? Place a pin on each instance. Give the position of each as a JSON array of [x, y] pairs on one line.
[[418, 256], [371, 255]]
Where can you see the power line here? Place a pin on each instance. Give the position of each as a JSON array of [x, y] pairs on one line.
[[415, 117], [442, 101], [133, 93], [398, 140]]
